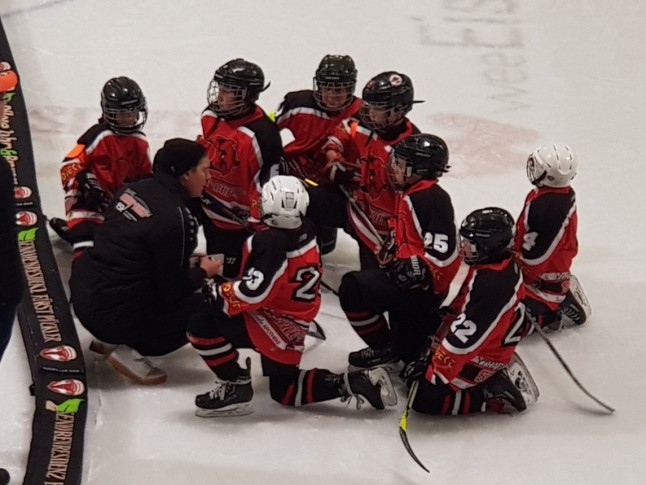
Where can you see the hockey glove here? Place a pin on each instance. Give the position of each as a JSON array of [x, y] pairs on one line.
[[91, 191], [413, 371], [342, 175], [409, 273]]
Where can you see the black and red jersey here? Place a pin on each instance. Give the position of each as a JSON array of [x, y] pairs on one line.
[[115, 159], [278, 293], [244, 153], [310, 126], [480, 336], [546, 242], [369, 153], [424, 226]]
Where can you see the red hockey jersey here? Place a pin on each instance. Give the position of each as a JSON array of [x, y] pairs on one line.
[[114, 159], [424, 226], [365, 150], [481, 336], [546, 242], [278, 293], [244, 154], [310, 126]]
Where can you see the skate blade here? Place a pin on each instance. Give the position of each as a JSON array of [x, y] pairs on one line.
[[226, 412], [387, 390], [518, 370]]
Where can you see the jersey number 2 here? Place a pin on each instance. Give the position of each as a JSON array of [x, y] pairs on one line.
[[308, 277]]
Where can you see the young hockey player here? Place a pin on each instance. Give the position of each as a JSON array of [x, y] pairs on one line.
[[244, 150], [110, 154], [269, 309], [546, 240], [310, 116], [418, 261], [472, 366], [358, 154]]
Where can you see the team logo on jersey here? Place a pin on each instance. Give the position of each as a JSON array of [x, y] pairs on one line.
[[226, 155], [60, 353], [253, 279], [67, 387], [26, 218], [21, 192]]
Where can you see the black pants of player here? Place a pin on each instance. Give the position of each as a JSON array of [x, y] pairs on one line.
[[216, 337], [441, 399], [229, 243], [413, 314], [327, 210]]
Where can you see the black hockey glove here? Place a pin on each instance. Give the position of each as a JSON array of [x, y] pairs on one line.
[[409, 273], [413, 371], [91, 191], [342, 175]]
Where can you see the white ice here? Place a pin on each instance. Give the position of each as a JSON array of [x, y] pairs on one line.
[[499, 78]]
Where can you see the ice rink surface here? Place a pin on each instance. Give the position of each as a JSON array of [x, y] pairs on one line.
[[499, 77]]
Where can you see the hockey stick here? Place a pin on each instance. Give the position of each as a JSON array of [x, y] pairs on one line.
[[567, 369], [403, 425], [362, 215], [318, 332]]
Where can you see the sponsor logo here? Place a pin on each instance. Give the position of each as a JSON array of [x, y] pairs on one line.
[[62, 440], [67, 387], [60, 353], [28, 235], [26, 218], [21, 192]]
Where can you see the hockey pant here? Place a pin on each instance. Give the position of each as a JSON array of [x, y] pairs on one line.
[[413, 313], [440, 398], [217, 337]]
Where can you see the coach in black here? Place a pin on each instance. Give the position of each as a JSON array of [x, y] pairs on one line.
[[135, 289]]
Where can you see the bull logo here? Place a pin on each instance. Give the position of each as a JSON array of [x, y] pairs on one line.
[[61, 353], [67, 387]]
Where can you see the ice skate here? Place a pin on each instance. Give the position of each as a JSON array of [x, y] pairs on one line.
[[228, 398], [60, 228], [373, 385], [131, 364], [370, 358], [511, 389], [575, 308]]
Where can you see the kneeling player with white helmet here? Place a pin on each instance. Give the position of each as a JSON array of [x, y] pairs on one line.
[[546, 239], [269, 309]]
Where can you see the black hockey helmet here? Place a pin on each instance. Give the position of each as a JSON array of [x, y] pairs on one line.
[[123, 105], [486, 235], [244, 79], [418, 157], [391, 92], [337, 77]]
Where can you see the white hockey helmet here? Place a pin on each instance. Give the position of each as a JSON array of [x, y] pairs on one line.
[[284, 202], [552, 166]]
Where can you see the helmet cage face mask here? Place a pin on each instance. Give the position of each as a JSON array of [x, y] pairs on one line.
[[228, 100], [400, 172], [485, 235], [123, 105], [334, 96], [535, 171], [126, 120], [379, 116]]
